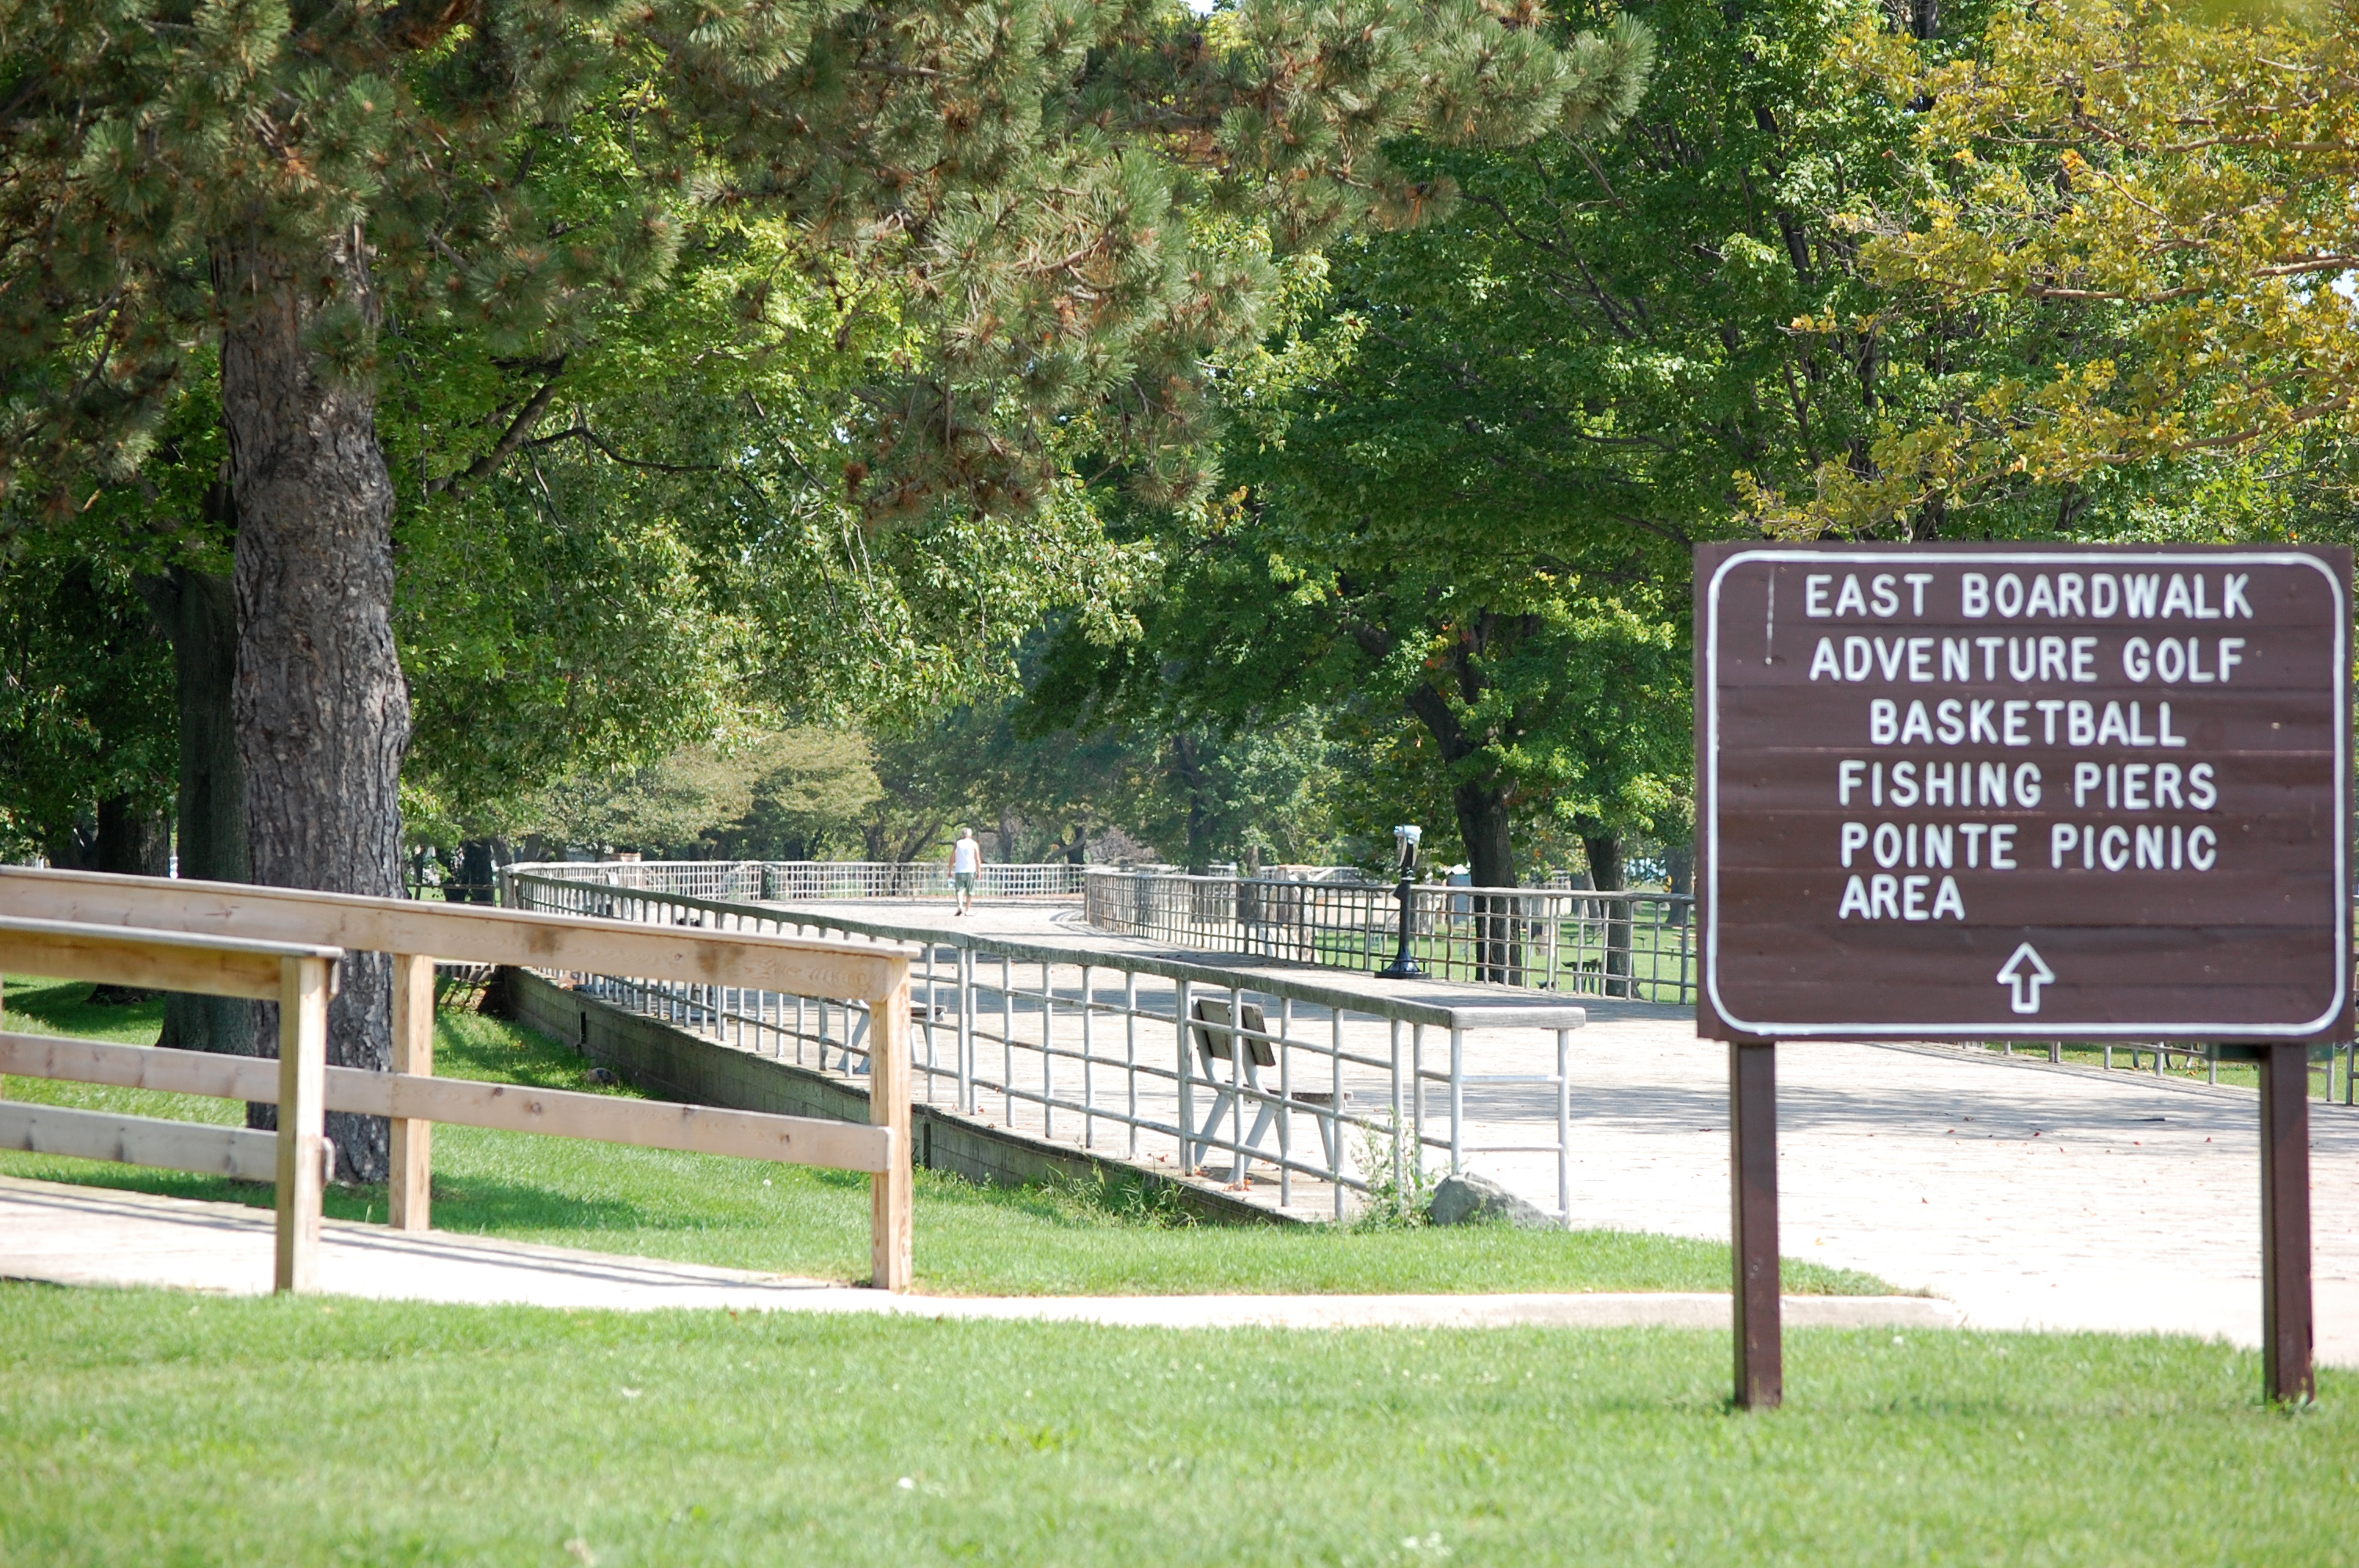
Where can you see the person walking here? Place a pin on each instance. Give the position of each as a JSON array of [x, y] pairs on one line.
[[966, 863]]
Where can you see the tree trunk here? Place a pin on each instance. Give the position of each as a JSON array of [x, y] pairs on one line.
[[1186, 767], [133, 841], [478, 879], [322, 710], [1482, 810], [198, 610], [1678, 863], [1479, 802], [1606, 875]]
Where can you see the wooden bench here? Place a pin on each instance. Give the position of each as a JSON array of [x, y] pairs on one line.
[[197, 936], [1216, 1041]]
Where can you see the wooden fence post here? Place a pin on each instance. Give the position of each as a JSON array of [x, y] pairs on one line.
[[892, 1191], [413, 1052], [303, 988]]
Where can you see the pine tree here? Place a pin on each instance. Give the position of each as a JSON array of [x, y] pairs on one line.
[[253, 192]]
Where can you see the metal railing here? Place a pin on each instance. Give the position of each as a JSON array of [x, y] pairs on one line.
[[810, 879], [1333, 1087], [1638, 946]]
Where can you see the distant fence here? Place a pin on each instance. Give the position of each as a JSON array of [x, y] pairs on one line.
[[783, 880], [1638, 945]]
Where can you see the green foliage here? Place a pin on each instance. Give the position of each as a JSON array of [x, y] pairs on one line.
[[1477, 463], [1106, 1196], [86, 705], [1394, 1202], [788, 797], [523, 175], [727, 363], [2136, 205]]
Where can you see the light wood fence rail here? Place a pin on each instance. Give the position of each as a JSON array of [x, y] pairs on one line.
[[229, 939]]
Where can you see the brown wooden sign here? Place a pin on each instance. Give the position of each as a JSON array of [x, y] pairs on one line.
[[2047, 792]]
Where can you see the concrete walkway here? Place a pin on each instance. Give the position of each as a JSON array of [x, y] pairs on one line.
[[84, 1236]]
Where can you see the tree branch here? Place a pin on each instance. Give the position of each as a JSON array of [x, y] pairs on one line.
[[511, 439]]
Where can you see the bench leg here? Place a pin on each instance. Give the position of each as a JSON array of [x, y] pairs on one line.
[[1223, 1098], [1248, 1142]]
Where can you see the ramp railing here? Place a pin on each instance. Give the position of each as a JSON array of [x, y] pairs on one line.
[[1329, 1084], [805, 879]]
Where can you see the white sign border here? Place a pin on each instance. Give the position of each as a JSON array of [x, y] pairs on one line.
[[2046, 1028]]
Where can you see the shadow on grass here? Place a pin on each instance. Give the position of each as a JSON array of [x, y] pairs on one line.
[[481, 1206], [63, 1007]]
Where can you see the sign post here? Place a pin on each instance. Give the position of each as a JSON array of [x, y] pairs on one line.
[[2048, 792]]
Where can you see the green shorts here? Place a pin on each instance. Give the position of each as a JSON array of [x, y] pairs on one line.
[[962, 881]]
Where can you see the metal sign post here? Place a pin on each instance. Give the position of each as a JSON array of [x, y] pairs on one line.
[[2048, 792]]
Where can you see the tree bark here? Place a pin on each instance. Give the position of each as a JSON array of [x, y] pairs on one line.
[[1678, 862], [1480, 804], [132, 841], [322, 711], [1604, 853], [478, 878], [198, 612], [1483, 825]]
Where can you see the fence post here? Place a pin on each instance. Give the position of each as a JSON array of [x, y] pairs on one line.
[[410, 1190], [303, 990], [1457, 1096], [1187, 1079], [892, 1193]]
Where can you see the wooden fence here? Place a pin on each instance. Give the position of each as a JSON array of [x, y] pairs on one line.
[[282, 945]]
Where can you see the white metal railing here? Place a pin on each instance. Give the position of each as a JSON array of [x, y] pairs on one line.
[[807, 880], [1336, 1086], [1640, 945]]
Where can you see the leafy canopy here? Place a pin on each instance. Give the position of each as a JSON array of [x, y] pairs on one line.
[[1028, 174], [2171, 178]]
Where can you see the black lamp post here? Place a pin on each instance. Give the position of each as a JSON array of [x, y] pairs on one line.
[[1404, 966]]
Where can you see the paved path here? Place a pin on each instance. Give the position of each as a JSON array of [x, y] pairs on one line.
[[84, 1236], [2033, 1196]]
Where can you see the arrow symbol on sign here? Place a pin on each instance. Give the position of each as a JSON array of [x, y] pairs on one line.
[[2026, 972]]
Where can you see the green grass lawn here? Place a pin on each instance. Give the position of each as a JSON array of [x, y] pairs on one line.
[[754, 1215], [1659, 969], [145, 1428], [2329, 1070]]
